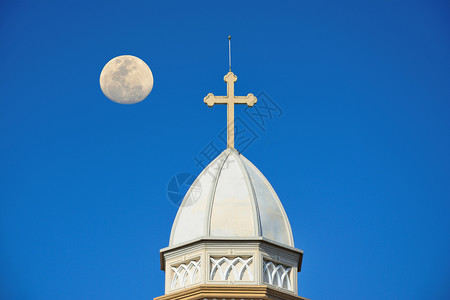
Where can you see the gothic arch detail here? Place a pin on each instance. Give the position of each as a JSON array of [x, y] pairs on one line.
[[185, 274], [277, 274], [236, 269]]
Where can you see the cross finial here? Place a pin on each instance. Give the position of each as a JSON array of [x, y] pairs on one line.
[[230, 100]]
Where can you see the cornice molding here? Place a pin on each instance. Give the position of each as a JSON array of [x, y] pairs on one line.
[[220, 292], [257, 241]]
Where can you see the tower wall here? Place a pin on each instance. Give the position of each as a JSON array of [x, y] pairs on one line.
[[229, 264]]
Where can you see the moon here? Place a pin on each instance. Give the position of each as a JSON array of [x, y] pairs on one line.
[[126, 79]]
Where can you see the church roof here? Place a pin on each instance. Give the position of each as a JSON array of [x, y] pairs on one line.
[[231, 199]]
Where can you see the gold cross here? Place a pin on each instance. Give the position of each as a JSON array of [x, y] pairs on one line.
[[230, 100]]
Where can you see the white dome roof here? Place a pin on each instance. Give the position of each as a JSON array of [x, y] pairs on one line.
[[231, 199]]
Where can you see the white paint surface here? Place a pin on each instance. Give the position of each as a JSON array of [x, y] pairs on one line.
[[237, 201]]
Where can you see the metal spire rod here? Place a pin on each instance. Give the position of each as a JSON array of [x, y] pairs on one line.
[[229, 50]]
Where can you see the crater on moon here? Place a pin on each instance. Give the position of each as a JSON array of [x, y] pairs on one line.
[[126, 79]]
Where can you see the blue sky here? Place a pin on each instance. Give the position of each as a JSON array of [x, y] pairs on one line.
[[359, 153]]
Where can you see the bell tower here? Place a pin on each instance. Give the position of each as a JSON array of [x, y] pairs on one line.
[[231, 238]]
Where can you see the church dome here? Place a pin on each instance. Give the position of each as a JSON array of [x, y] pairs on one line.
[[231, 199]]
